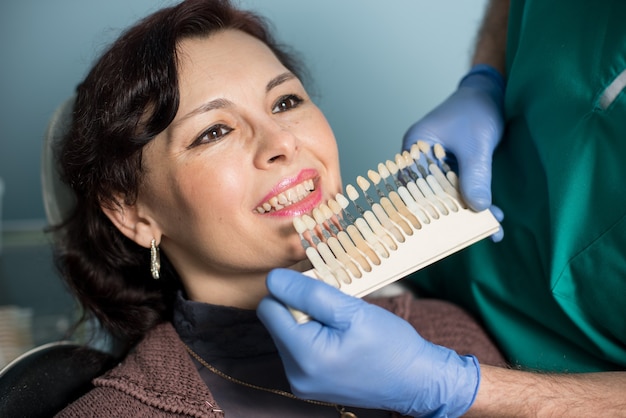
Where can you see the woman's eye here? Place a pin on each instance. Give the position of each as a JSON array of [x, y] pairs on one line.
[[286, 103], [213, 134]]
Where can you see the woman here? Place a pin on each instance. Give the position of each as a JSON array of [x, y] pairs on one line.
[[185, 130]]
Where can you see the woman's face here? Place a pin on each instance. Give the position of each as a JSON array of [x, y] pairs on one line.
[[246, 135]]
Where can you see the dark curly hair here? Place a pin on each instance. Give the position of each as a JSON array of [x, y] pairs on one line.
[[130, 95]]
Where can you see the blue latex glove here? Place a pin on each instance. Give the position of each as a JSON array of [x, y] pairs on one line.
[[356, 354], [469, 124]]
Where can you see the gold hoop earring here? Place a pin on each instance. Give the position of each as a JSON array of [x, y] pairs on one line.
[[155, 260]]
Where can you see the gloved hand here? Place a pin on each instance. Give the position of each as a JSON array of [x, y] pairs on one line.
[[356, 354], [468, 124]]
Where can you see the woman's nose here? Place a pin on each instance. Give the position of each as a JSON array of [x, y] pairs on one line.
[[275, 145]]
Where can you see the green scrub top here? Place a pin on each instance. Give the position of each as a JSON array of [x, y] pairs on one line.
[[553, 292]]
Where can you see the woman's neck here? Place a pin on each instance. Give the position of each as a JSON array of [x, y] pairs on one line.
[[244, 291]]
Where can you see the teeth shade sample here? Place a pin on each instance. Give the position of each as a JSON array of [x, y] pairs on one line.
[[408, 217]]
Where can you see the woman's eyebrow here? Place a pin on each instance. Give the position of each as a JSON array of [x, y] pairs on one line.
[[278, 80], [223, 103], [205, 107]]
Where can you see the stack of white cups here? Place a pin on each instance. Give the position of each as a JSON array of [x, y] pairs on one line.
[[15, 332]]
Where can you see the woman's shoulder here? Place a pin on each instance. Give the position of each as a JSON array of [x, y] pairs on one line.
[[108, 402], [444, 323], [157, 378]]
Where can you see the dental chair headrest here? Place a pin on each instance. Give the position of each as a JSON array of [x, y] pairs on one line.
[[57, 197]]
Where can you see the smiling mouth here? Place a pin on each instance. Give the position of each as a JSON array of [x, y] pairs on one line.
[[287, 198]]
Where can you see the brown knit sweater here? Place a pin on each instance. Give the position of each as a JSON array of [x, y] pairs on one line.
[[158, 379]]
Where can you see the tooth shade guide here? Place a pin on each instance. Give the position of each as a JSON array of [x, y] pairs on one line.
[[371, 238], [339, 207], [319, 218], [311, 226], [447, 186], [328, 257], [386, 216], [370, 242], [437, 185], [412, 188], [344, 240], [363, 237], [338, 211], [413, 207], [375, 178], [335, 246], [365, 185], [330, 218], [353, 232], [423, 198], [354, 196], [415, 204], [402, 199], [388, 170], [362, 245], [393, 170], [424, 147], [437, 181], [440, 154], [428, 193], [344, 203], [416, 207], [407, 165], [385, 213], [380, 231], [440, 193], [373, 223], [301, 228], [416, 155], [385, 174], [400, 162], [433, 242]]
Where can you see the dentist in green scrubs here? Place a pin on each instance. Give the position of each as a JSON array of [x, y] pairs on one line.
[[538, 130], [553, 291]]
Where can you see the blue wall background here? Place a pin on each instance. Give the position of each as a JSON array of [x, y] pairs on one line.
[[377, 69]]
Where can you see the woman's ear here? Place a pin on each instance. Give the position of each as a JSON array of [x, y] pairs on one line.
[[131, 222]]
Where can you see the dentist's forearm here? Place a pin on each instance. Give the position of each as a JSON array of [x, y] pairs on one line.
[[513, 393], [491, 40]]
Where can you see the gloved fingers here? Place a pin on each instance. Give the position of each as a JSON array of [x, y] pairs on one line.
[[477, 193], [475, 181], [497, 237], [420, 131], [275, 315], [289, 336], [313, 297], [499, 215], [379, 361]]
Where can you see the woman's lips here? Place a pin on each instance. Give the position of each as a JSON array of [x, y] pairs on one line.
[[292, 196]]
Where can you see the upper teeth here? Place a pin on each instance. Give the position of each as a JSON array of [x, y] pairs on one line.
[[288, 197]]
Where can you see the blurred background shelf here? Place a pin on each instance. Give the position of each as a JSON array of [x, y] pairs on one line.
[[35, 308]]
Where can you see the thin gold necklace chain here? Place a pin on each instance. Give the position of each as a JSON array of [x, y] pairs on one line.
[[342, 411]]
